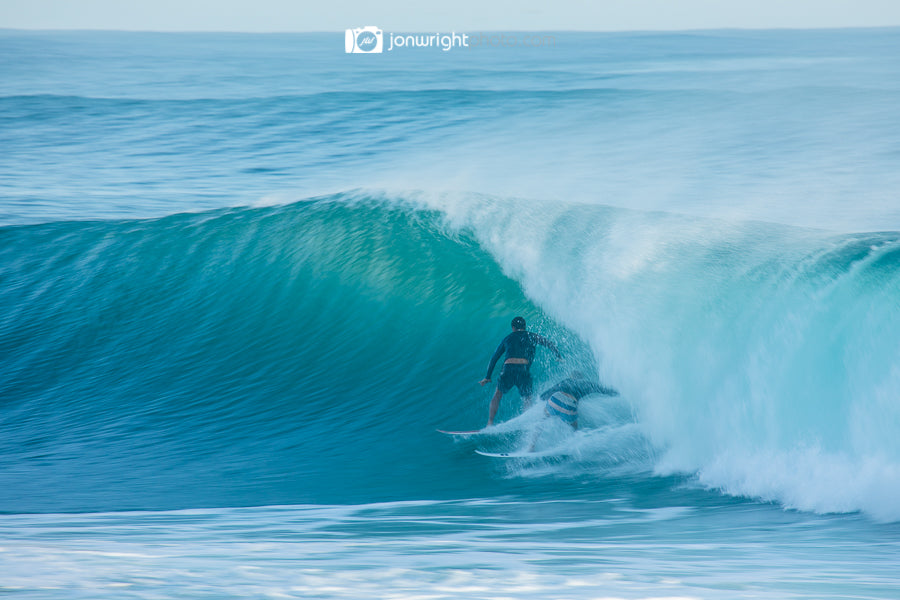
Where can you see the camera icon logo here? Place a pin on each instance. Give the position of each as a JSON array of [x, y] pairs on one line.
[[363, 40]]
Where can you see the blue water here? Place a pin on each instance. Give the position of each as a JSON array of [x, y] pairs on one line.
[[245, 278]]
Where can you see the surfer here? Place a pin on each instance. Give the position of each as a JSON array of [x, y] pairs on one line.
[[519, 347], [562, 399]]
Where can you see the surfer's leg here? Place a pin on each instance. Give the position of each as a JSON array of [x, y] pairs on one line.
[[526, 389], [537, 432], [495, 404], [506, 382]]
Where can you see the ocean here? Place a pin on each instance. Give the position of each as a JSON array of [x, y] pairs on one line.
[[244, 279]]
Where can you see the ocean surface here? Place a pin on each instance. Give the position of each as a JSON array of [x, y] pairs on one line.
[[244, 279]]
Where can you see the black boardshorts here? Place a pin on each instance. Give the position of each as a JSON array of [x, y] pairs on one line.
[[518, 376]]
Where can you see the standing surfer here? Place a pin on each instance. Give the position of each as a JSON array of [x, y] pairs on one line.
[[519, 347]]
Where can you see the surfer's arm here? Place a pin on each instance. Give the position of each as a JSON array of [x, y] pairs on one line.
[[539, 339], [497, 354], [596, 388]]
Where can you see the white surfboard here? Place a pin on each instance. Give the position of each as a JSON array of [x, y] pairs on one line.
[[524, 454], [463, 433]]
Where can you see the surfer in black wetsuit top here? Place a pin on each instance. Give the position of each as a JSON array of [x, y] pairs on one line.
[[519, 347]]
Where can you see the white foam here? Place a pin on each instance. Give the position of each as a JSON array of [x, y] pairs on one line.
[[753, 355]]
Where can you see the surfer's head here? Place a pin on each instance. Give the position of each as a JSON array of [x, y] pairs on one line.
[[518, 323]]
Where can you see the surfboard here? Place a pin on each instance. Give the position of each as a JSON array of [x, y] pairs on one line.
[[512, 426], [522, 454]]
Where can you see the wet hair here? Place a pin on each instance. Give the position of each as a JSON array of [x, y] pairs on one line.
[[518, 323]]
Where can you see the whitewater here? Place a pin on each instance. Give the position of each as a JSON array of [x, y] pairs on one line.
[[244, 279]]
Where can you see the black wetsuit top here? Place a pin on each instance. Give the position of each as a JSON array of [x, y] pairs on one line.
[[520, 344]]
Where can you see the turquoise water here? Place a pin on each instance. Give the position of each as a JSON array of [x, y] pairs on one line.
[[245, 278]]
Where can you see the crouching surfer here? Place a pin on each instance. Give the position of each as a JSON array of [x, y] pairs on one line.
[[562, 399], [519, 347]]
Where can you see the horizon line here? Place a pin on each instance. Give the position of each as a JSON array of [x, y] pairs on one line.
[[421, 31]]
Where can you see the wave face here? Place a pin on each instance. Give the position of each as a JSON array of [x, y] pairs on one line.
[[248, 356], [254, 356], [307, 353]]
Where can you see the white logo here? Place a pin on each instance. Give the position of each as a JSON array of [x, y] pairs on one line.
[[363, 40]]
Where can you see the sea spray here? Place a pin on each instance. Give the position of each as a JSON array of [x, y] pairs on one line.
[[758, 356]]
